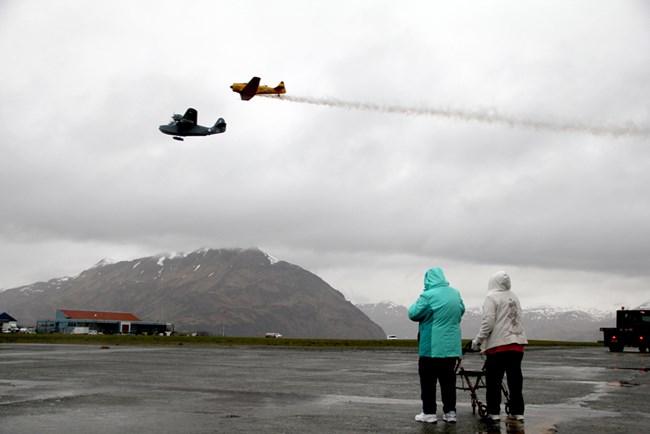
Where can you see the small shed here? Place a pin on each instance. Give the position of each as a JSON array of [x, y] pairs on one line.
[[8, 323]]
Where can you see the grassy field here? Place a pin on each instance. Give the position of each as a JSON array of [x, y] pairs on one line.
[[231, 341]]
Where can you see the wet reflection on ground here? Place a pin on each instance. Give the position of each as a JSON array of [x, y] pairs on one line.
[[60, 389]]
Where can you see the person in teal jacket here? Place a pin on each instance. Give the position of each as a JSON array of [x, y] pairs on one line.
[[438, 312]]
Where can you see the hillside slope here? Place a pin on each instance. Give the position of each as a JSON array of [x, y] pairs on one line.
[[233, 292]]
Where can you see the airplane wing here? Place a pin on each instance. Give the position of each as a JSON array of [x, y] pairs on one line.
[[188, 121], [250, 90]]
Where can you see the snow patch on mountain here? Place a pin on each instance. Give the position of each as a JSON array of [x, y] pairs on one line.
[[644, 305], [568, 323], [28, 290], [548, 311], [271, 259], [103, 263]]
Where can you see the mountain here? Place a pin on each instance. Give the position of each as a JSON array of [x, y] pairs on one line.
[[232, 292], [392, 317], [554, 323], [544, 323], [642, 306]]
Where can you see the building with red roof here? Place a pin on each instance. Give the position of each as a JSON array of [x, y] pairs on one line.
[[94, 321], [96, 315]]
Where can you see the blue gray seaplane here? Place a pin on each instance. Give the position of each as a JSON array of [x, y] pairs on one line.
[[185, 125]]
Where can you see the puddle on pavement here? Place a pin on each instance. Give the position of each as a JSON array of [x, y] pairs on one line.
[[339, 399], [644, 370], [623, 383]]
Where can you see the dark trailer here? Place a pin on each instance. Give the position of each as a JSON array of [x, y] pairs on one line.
[[632, 330]]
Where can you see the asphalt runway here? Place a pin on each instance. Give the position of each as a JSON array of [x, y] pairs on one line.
[[192, 389]]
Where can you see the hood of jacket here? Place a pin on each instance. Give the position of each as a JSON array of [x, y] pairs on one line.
[[434, 278], [500, 281]]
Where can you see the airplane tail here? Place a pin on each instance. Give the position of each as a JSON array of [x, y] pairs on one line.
[[250, 90], [280, 88], [219, 126]]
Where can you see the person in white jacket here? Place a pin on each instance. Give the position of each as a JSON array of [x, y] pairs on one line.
[[502, 339]]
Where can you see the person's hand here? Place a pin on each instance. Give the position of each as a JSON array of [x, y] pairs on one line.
[[476, 345]]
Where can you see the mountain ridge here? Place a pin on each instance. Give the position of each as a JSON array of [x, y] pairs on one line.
[[234, 292], [543, 322]]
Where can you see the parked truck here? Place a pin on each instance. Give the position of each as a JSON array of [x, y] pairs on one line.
[[632, 330], [10, 327]]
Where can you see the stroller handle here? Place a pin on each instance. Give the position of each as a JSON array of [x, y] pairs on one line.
[[468, 348]]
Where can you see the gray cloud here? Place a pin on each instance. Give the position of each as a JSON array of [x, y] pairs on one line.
[[552, 181]]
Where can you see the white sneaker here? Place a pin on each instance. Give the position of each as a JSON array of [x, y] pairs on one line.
[[518, 417], [449, 417], [426, 418], [494, 417]]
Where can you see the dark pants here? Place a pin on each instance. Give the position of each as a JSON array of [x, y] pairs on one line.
[[432, 370], [508, 363]]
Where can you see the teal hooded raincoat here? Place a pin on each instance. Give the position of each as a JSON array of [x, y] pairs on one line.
[[439, 311]]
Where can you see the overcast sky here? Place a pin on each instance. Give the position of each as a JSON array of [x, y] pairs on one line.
[[471, 135]]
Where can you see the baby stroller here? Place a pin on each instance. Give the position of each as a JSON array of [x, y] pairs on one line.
[[472, 381]]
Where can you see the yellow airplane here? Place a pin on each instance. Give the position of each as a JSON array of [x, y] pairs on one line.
[[252, 88]]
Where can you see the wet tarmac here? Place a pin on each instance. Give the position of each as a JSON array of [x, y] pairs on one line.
[[188, 389]]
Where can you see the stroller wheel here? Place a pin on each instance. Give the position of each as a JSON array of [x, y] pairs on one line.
[[508, 409], [482, 410]]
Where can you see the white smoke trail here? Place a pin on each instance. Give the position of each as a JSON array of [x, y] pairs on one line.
[[485, 116]]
